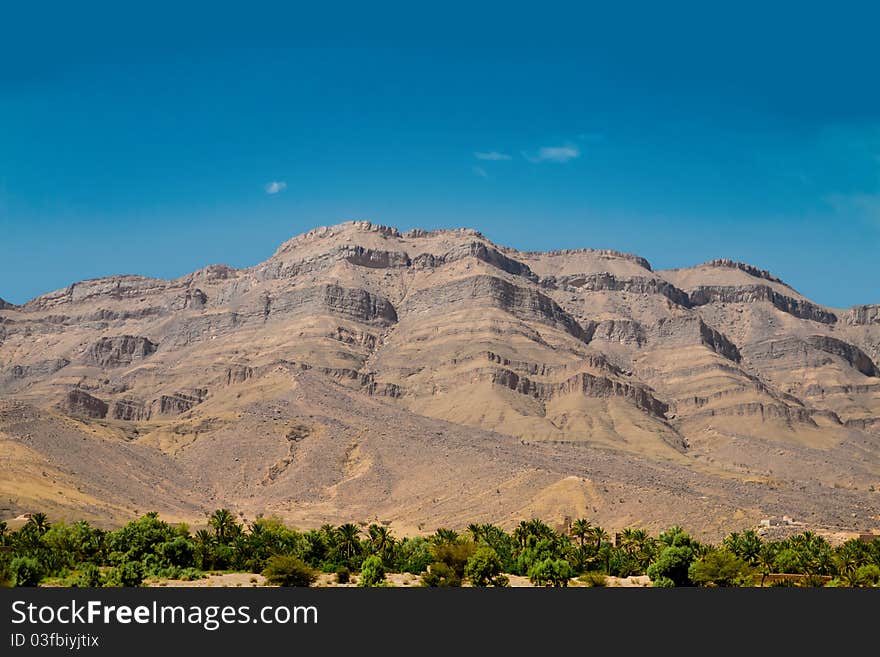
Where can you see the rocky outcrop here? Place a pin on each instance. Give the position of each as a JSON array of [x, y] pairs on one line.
[[131, 410], [582, 383], [81, 404], [194, 298], [611, 283], [869, 424], [690, 329], [119, 350], [751, 270], [799, 308], [108, 315], [850, 353], [114, 288], [480, 251], [719, 343], [179, 402], [623, 331], [238, 374], [862, 315], [596, 361], [360, 338], [366, 382], [764, 411], [41, 368], [358, 255], [812, 351], [602, 254], [5, 305], [356, 304], [478, 291]]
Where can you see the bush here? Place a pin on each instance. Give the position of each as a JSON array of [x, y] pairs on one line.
[[484, 568], [440, 575], [720, 568], [372, 572], [89, 577], [593, 578], [663, 583], [26, 571], [673, 563], [129, 573], [413, 555], [550, 572], [454, 555], [868, 575], [343, 575], [284, 570]]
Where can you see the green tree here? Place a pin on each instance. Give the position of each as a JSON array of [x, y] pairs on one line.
[[40, 523], [26, 571], [580, 529], [720, 568], [673, 564], [126, 574], [224, 525], [348, 540], [413, 555], [286, 570], [372, 572], [89, 576], [550, 572], [484, 568], [440, 575], [382, 542]]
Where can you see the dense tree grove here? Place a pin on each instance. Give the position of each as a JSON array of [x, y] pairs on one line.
[[484, 555]]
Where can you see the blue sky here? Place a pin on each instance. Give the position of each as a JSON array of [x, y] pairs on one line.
[[147, 138]]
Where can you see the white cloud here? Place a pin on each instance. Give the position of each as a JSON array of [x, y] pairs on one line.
[[559, 154], [275, 186], [493, 156], [480, 171]]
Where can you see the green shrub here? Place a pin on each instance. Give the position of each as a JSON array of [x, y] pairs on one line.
[[127, 574], [372, 572], [868, 575], [26, 571], [550, 572], [89, 576], [720, 568], [343, 575], [673, 563], [440, 575], [484, 568], [593, 578], [285, 570], [455, 555]]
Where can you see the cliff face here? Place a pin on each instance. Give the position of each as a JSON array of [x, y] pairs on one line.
[[722, 363]]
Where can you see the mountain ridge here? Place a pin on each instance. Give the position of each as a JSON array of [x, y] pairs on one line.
[[720, 370]]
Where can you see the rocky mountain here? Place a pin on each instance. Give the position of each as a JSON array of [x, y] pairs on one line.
[[433, 377]]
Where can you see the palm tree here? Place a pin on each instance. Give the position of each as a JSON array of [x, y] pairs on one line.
[[598, 534], [521, 533], [381, 540], [204, 547], [223, 523], [443, 535], [40, 522], [348, 541], [476, 531], [580, 529]]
